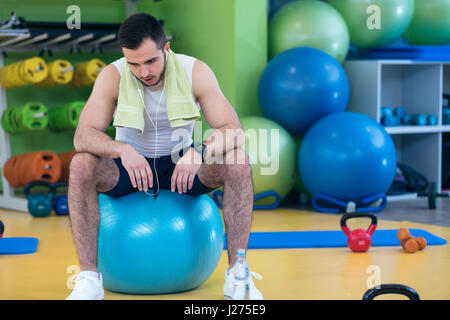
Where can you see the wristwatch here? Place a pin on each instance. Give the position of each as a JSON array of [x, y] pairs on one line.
[[200, 148]]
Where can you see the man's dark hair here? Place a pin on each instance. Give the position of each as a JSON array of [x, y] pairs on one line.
[[139, 26]]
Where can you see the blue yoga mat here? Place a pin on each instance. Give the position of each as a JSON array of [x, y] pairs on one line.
[[18, 245], [329, 239]]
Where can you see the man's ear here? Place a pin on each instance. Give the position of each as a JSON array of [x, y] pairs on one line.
[[167, 48]]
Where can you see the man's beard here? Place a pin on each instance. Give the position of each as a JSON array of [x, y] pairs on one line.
[[160, 75]]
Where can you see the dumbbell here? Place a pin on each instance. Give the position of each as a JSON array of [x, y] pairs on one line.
[[423, 120], [387, 117], [386, 111], [419, 119], [432, 120], [399, 112], [409, 243], [391, 117]]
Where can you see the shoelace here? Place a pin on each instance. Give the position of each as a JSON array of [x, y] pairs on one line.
[[78, 282], [256, 275]]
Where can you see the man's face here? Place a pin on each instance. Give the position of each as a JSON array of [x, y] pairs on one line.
[[147, 62]]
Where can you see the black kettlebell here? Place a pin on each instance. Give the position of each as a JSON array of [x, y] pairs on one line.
[[40, 204], [391, 289], [2, 229]]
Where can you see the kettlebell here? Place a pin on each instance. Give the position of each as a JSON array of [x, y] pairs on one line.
[[2, 229], [390, 289], [60, 204], [359, 240], [41, 204]]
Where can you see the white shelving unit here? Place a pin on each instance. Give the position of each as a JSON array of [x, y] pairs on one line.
[[417, 86]]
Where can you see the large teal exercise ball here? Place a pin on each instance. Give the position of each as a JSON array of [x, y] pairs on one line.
[[375, 22], [430, 24], [309, 23], [347, 156], [154, 246], [300, 86]]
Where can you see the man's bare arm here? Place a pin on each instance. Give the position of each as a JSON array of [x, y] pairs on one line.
[[218, 112], [97, 115]]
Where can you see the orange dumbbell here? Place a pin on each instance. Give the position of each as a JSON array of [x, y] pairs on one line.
[[409, 243]]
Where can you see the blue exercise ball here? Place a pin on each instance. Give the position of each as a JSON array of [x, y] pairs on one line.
[[155, 246], [348, 156], [300, 86]]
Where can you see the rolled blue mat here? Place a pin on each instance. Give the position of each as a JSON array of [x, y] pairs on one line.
[[419, 119], [432, 120]]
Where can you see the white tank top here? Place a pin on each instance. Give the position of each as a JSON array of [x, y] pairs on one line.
[[164, 140]]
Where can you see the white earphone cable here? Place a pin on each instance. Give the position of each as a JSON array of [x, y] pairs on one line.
[[156, 130]]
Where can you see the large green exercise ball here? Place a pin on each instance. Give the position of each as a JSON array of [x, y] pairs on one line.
[[309, 23], [379, 25], [272, 155], [430, 24]]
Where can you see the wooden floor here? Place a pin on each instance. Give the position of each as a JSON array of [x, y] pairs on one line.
[[289, 274]]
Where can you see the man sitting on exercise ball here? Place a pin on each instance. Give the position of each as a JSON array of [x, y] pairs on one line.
[[132, 162]]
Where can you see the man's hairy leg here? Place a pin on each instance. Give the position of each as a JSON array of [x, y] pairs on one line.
[[236, 178], [89, 175]]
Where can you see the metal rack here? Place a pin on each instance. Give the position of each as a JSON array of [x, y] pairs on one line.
[[17, 35], [20, 35]]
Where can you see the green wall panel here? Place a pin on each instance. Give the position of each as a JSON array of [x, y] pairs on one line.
[[109, 11]]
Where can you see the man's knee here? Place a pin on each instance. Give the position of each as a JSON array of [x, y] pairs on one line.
[[82, 167], [237, 163]]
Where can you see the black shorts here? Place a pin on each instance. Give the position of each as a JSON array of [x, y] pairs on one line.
[[164, 168]]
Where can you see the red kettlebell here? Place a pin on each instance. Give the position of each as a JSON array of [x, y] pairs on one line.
[[359, 240]]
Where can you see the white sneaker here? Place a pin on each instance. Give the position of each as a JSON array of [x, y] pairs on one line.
[[87, 287], [241, 289]]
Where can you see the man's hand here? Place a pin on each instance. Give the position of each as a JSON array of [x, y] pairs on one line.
[[137, 167], [185, 171]]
